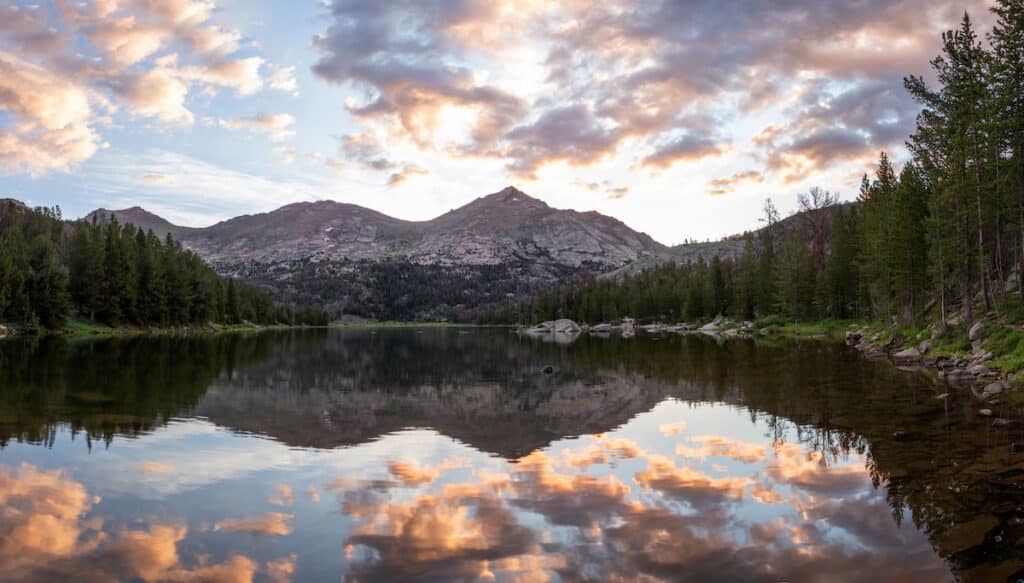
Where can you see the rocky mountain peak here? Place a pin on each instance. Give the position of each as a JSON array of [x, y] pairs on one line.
[[343, 255], [512, 195]]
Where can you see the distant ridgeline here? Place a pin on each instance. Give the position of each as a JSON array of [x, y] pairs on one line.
[[117, 275]]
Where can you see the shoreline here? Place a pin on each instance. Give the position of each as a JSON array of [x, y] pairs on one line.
[[973, 358], [84, 331]]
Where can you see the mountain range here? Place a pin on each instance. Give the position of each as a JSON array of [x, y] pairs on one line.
[[360, 262]]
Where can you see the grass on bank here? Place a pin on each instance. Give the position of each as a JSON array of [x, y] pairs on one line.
[[81, 328], [819, 328], [397, 324]]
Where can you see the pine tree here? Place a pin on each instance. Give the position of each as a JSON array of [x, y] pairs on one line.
[[910, 252], [234, 311], [1007, 40], [47, 283]]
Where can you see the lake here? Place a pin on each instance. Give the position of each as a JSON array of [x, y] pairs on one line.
[[474, 454]]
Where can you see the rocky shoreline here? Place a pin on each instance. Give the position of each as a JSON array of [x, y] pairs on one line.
[[987, 384]]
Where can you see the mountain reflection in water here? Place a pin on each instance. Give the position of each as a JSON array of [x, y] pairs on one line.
[[441, 454]]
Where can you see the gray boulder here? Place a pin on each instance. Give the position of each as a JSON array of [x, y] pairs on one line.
[[976, 331], [909, 355], [996, 388]]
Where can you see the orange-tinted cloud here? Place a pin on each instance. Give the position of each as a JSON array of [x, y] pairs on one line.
[[720, 186], [283, 496], [472, 530], [271, 523], [718, 446], [156, 179], [685, 148], [68, 71], [618, 73], [48, 533], [276, 125], [670, 429], [411, 475], [282, 570], [155, 467]]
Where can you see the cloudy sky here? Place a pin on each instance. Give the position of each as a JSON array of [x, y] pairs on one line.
[[678, 117]]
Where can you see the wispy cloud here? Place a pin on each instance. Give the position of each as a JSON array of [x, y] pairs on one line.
[[201, 192], [276, 125]]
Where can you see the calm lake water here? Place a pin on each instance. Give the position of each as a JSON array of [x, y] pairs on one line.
[[446, 454]]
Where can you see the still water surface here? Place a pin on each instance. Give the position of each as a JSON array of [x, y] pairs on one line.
[[393, 455]]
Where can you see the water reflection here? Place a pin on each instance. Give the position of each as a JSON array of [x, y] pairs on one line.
[[391, 455]]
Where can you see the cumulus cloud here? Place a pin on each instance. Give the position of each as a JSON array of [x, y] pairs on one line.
[[401, 54], [283, 79], [281, 570], [366, 150], [688, 147], [283, 495], [49, 532], [66, 72], [626, 78], [51, 115], [475, 528], [271, 523]]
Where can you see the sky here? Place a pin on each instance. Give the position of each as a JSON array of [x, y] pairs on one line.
[[677, 117]]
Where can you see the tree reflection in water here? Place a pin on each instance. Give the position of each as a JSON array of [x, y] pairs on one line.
[[609, 467]]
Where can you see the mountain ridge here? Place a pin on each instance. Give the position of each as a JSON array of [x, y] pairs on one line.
[[503, 245], [500, 247], [349, 230]]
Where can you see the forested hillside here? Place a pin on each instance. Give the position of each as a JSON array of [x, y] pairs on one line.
[[117, 275], [941, 236]]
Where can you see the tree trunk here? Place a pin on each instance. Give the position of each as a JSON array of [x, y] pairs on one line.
[[982, 264]]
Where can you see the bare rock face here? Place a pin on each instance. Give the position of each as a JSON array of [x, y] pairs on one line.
[[506, 243], [502, 227]]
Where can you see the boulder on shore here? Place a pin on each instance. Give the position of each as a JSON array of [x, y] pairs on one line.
[[993, 390], [976, 331], [561, 327], [712, 326], [907, 356]]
